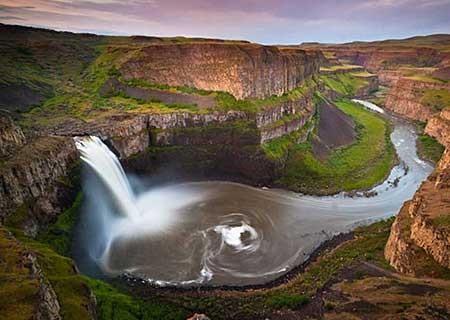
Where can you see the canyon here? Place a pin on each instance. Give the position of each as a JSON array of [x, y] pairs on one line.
[[200, 109]]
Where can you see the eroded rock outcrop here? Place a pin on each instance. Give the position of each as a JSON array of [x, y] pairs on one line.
[[244, 70], [420, 235], [406, 98], [33, 170], [26, 285], [286, 117], [439, 127], [129, 134], [11, 137]]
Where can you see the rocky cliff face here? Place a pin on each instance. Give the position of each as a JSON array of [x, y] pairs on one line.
[[39, 300], [129, 134], [385, 61], [420, 235], [406, 98], [439, 127], [244, 70], [286, 117], [39, 284], [11, 137], [372, 86], [33, 172]]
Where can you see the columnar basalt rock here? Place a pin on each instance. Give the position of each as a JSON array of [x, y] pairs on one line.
[[33, 170], [244, 70]]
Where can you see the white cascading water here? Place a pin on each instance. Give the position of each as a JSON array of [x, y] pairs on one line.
[[107, 167], [113, 211]]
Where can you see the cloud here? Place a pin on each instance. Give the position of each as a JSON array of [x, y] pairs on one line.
[[10, 18], [266, 21]]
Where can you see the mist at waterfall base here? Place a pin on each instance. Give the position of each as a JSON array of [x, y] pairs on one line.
[[218, 233]]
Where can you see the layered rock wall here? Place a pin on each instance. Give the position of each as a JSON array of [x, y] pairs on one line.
[[421, 232], [244, 70], [439, 127], [405, 98], [35, 168]]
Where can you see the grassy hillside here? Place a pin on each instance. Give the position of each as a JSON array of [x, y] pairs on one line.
[[357, 166]]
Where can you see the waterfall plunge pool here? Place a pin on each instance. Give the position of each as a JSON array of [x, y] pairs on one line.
[[219, 233]]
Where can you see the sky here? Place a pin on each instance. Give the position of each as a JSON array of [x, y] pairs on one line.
[[262, 21]]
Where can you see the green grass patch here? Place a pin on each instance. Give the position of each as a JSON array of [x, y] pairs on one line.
[[116, 305], [347, 67], [344, 83], [71, 289], [357, 166], [277, 149], [225, 101], [287, 300], [436, 99], [426, 78], [443, 220], [429, 148]]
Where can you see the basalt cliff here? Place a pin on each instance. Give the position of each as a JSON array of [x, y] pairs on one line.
[[244, 70]]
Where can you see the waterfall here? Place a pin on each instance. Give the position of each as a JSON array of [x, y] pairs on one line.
[[108, 168]]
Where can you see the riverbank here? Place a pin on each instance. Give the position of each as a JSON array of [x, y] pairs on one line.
[[358, 166]]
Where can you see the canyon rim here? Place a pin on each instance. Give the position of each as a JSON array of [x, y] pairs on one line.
[[192, 177]]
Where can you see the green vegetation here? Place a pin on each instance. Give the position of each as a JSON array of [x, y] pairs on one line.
[[287, 300], [225, 101], [357, 166], [426, 78], [116, 305], [437, 100], [277, 149], [443, 220], [344, 83], [429, 148], [59, 235], [338, 67], [71, 289], [362, 74], [17, 288]]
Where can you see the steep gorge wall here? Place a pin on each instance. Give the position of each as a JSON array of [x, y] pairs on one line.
[[420, 235], [34, 176], [406, 98], [439, 127], [33, 173], [244, 70], [384, 61]]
